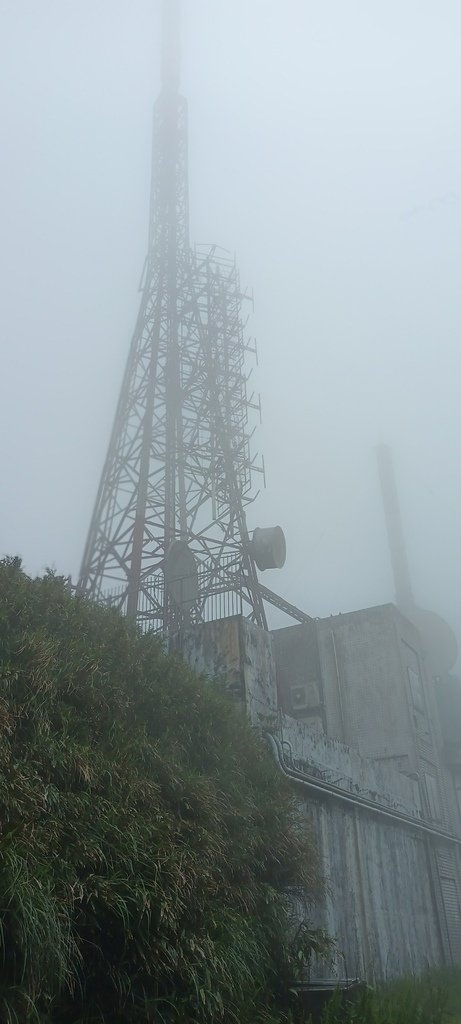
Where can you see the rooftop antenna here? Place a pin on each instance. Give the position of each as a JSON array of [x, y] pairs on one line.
[[437, 637]]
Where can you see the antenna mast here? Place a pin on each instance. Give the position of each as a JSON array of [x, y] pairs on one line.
[[171, 45], [168, 542]]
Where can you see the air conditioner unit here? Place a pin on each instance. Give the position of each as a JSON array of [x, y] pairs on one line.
[[300, 697]]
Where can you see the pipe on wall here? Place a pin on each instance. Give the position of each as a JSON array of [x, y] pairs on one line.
[[328, 789]]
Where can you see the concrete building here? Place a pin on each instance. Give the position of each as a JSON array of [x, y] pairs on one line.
[[351, 715]]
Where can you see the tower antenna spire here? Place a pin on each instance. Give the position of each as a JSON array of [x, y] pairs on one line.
[[171, 44], [168, 542]]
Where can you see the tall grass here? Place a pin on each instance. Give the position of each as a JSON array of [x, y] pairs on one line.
[[431, 999], [147, 839], [408, 1003]]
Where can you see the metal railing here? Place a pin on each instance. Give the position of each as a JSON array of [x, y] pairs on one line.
[[220, 596]]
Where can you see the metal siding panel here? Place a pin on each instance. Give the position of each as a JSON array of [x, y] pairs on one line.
[[453, 915]]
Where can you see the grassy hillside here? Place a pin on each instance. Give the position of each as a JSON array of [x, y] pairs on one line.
[[146, 838]]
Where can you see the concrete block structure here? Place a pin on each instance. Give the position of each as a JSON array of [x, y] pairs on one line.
[[350, 712]]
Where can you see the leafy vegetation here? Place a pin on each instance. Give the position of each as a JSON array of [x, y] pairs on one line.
[[410, 1001], [147, 840], [434, 998]]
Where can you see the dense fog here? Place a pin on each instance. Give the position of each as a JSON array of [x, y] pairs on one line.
[[325, 151]]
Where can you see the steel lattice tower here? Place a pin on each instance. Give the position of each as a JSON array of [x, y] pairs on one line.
[[178, 467]]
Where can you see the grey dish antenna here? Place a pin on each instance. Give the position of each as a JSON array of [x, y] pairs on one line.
[[268, 547]]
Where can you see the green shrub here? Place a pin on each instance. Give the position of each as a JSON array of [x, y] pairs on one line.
[[147, 839]]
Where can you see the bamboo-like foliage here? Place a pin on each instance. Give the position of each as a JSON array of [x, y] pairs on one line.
[[147, 840]]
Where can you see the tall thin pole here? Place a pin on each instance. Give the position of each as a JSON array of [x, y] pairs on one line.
[[402, 581], [171, 47]]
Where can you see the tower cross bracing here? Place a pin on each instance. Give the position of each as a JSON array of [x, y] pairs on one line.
[[178, 466]]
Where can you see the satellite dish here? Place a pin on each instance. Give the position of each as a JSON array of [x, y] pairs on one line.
[[181, 577], [438, 639], [268, 547]]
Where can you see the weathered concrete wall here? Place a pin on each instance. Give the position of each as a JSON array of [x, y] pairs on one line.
[[214, 649], [366, 672], [241, 655], [259, 678], [379, 698], [343, 766], [298, 669], [391, 892], [379, 905], [354, 669], [362, 675]]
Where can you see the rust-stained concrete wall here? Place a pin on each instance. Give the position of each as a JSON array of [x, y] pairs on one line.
[[343, 766], [241, 655]]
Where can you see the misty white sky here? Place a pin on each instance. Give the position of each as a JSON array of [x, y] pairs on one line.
[[325, 150]]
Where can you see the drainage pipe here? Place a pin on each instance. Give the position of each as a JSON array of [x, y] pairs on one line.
[[327, 789]]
